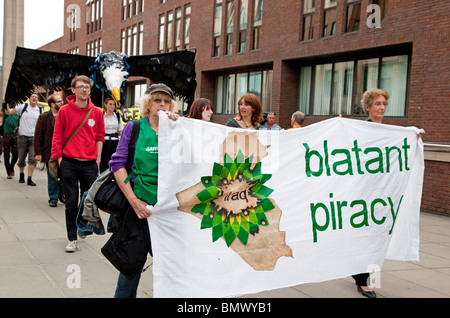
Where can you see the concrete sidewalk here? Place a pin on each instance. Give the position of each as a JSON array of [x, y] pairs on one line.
[[33, 262]]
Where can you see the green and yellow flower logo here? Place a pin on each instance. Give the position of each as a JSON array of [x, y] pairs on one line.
[[235, 199]]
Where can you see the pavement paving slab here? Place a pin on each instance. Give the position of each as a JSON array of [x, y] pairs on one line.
[[33, 263]]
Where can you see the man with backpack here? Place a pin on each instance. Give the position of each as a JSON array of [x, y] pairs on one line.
[[29, 114]]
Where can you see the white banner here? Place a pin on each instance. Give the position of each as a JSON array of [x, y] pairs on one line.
[[243, 211]]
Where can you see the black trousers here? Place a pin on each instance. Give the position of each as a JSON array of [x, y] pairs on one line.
[[77, 177], [10, 151], [361, 279]]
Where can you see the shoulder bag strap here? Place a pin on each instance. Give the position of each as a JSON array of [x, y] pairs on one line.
[[79, 127]]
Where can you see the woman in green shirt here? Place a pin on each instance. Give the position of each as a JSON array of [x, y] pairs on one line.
[[10, 122], [143, 176]]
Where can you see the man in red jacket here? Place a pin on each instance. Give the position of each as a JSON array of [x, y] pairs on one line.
[[80, 158]]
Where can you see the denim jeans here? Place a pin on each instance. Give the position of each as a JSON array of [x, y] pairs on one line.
[[53, 188], [74, 172], [127, 288]]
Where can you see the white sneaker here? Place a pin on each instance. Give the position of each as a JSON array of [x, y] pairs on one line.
[[72, 246]]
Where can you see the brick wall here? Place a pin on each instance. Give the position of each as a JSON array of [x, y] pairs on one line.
[[436, 187], [423, 26]]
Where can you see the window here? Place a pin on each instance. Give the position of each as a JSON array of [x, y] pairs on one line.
[[383, 4], [170, 31], [177, 29], [132, 39], [353, 16], [257, 23], [329, 18], [94, 16], [141, 38], [73, 24], [217, 27], [335, 88], [93, 48], [243, 17], [133, 93], [162, 23], [187, 25], [230, 87], [231, 4], [307, 25], [131, 8]]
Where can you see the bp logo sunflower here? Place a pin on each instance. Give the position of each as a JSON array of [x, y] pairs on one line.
[[235, 199]]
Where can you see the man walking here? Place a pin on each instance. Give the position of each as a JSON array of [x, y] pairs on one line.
[[29, 114], [10, 151], [79, 158], [43, 136]]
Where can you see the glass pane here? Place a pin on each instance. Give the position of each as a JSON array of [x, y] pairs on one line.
[[242, 40], [231, 105], [353, 17], [322, 89], [305, 89], [330, 4], [383, 4], [219, 94], [187, 31], [308, 28], [230, 16], [394, 74], [258, 14], [242, 88], [266, 100], [308, 6], [243, 15], [342, 89], [366, 78], [254, 84], [329, 27], [218, 21]]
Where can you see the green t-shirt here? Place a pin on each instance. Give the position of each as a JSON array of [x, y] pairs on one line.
[[10, 122], [146, 164]]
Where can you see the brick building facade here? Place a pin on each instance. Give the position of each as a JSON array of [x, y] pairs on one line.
[[316, 56]]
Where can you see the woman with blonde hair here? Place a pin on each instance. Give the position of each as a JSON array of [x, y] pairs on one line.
[[375, 102], [250, 113], [140, 187]]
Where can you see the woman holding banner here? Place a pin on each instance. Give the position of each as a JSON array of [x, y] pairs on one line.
[[140, 187], [250, 113], [374, 102]]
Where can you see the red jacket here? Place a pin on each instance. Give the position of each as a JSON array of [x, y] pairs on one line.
[[84, 144]]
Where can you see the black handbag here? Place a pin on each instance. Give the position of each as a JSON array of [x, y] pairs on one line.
[[109, 196]]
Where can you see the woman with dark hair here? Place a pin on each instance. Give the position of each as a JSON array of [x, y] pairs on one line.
[[113, 128], [250, 113], [202, 108]]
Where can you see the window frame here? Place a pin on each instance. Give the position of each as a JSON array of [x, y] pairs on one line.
[[379, 55], [224, 108]]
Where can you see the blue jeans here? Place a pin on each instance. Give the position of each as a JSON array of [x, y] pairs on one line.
[[127, 288], [53, 188]]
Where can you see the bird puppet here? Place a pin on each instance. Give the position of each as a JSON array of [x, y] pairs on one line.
[[108, 72]]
